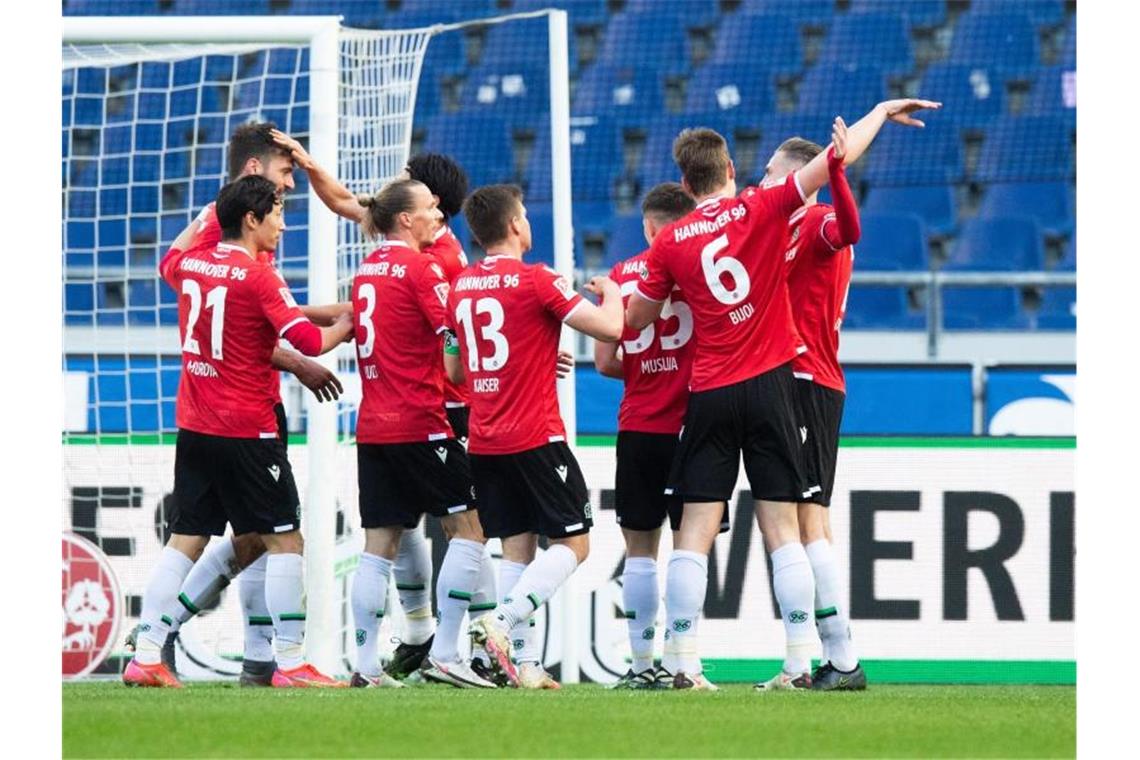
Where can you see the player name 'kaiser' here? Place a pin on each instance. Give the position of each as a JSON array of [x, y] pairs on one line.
[[485, 384]]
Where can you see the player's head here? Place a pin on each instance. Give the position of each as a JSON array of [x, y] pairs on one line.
[[444, 178], [706, 168], [252, 151], [665, 203], [496, 217], [793, 154], [404, 209], [251, 208]]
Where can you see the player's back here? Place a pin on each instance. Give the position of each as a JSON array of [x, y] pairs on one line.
[[727, 257], [508, 316], [399, 299], [448, 253]]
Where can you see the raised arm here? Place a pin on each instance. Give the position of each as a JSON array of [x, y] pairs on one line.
[[845, 231], [326, 315], [604, 321], [606, 360], [333, 194], [641, 311]]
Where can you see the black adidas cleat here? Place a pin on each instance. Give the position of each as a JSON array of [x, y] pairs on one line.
[[645, 680], [256, 673], [407, 659], [837, 680], [487, 673]]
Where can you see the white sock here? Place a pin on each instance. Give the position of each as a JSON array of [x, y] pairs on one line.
[[795, 592], [484, 598], [369, 600], [160, 595], [831, 616], [641, 598], [685, 587], [537, 584], [211, 573], [255, 611], [413, 583], [524, 642], [285, 597], [458, 574]]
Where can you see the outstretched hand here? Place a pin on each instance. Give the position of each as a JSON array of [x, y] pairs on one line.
[[322, 381], [839, 137], [899, 111], [565, 364]]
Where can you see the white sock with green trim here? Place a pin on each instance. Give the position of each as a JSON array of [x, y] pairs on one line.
[[537, 584], [484, 598], [641, 600], [369, 600], [831, 614], [413, 573], [211, 573], [285, 597], [685, 586], [794, 585], [255, 612], [161, 594], [522, 635], [458, 574]]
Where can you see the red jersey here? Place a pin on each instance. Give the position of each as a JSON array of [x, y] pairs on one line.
[[398, 302], [818, 279], [448, 253], [232, 309], [508, 316], [727, 257], [657, 361]]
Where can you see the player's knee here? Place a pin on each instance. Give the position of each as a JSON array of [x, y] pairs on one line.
[[383, 542], [191, 546], [285, 543], [580, 545], [641, 543], [248, 547], [463, 525]]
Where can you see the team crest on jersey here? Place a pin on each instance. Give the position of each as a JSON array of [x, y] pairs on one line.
[[435, 268], [441, 291], [92, 606]]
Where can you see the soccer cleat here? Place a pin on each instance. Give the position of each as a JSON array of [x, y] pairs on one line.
[[256, 673], [382, 681], [646, 679], [485, 633], [303, 677], [167, 647], [820, 671], [457, 673], [534, 676], [488, 673], [694, 681], [785, 682], [837, 680], [150, 675], [408, 658]]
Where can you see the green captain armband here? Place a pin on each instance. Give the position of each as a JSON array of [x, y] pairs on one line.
[[450, 343]]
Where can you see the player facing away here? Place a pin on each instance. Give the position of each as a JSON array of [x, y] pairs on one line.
[[408, 458], [655, 365], [447, 182], [508, 316], [250, 152], [820, 258], [728, 259], [230, 464]]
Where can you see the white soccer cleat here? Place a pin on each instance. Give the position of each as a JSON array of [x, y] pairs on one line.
[[534, 676], [694, 681], [457, 673], [486, 633], [785, 682], [382, 681]]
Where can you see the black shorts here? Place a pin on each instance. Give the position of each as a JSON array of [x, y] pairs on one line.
[[757, 418], [282, 424], [643, 461], [246, 482], [821, 412], [458, 416], [535, 491], [401, 481]]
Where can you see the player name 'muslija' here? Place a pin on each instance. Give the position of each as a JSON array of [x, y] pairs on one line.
[[659, 364]]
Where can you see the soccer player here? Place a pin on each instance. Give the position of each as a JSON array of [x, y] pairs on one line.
[[655, 364], [230, 464], [727, 258], [508, 317], [821, 258]]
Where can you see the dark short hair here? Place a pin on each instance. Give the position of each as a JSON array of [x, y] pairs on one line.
[[702, 156], [488, 211], [443, 177], [667, 202], [800, 150], [383, 207], [240, 197], [252, 140]]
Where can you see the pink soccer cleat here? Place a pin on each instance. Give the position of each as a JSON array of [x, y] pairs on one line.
[[304, 677], [150, 675]]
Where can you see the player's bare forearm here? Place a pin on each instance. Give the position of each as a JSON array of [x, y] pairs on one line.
[[453, 366], [337, 333], [862, 133], [326, 315], [604, 321], [186, 237], [846, 230], [606, 360], [640, 312], [338, 198], [285, 360]]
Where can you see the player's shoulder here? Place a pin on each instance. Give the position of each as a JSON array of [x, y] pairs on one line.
[[632, 268]]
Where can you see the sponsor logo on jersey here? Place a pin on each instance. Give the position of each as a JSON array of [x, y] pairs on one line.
[[92, 606]]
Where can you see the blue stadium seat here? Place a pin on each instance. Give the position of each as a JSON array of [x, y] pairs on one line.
[[630, 93], [176, 164], [80, 235], [518, 94], [879, 307], [108, 311], [1026, 149], [523, 43], [1040, 12], [848, 91], [776, 128], [87, 112], [592, 217], [1010, 244], [214, 8], [142, 302], [918, 14], [481, 145], [1069, 53], [143, 229], [869, 39], [1050, 203], [428, 97], [1054, 93], [541, 218], [595, 160], [971, 96], [458, 9], [91, 81], [78, 303], [813, 13], [1058, 309], [770, 41], [657, 156], [367, 15], [916, 156], [1003, 42], [583, 13], [934, 204], [982, 308], [1068, 260], [740, 92], [111, 8], [445, 56], [694, 14], [633, 39], [891, 242], [626, 238]]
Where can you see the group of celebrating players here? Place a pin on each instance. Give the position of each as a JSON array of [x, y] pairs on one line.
[[725, 333]]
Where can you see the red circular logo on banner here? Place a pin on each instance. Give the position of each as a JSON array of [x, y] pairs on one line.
[[91, 606]]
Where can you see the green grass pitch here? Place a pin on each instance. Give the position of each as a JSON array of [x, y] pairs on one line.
[[220, 720]]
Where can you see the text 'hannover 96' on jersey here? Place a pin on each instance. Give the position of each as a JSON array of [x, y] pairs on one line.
[[508, 316], [399, 300], [657, 361], [232, 309], [727, 256], [448, 253], [818, 282]]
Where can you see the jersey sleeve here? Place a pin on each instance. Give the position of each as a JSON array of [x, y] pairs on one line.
[[431, 295], [780, 197], [554, 293], [276, 300], [169, 265], [657, 282]]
